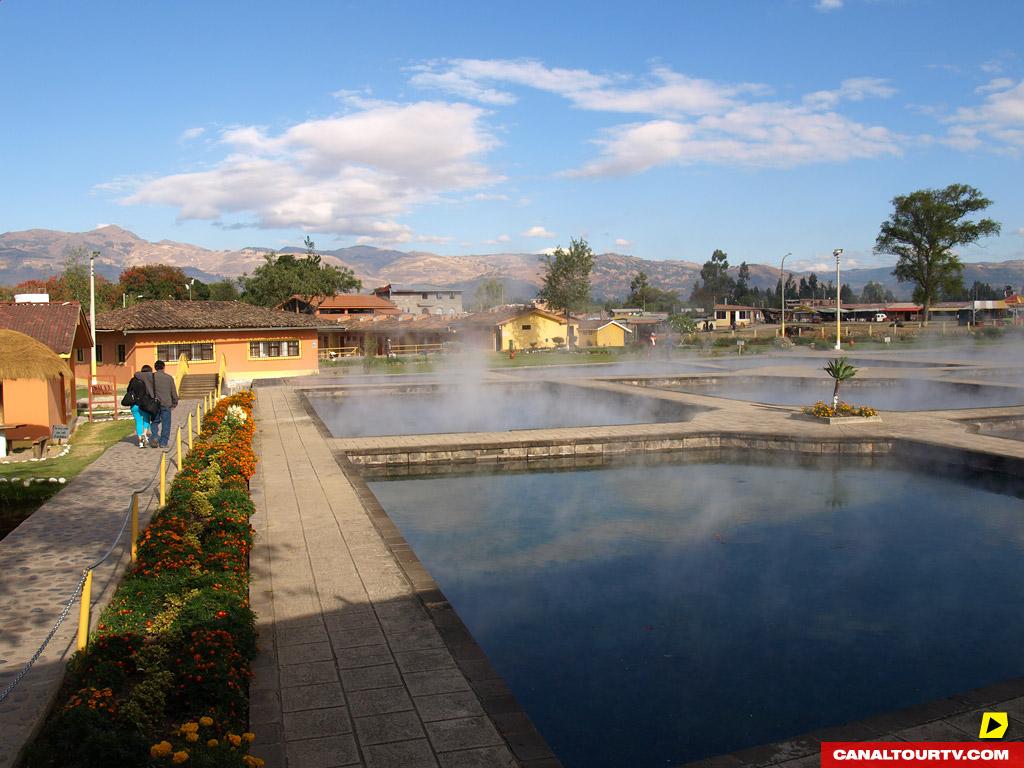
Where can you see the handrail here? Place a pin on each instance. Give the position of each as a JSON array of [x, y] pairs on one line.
[[84, 587], [331, 353], [182, 370], [222, 372], [405, 349]]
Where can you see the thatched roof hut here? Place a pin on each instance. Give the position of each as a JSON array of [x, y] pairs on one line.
[[22, 357]]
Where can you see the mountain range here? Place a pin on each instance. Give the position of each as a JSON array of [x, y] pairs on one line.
[[39, 253]]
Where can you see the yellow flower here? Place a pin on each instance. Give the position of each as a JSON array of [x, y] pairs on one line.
[[190, 727], [191, 737], [212, 743], [205, 720], [163, 749], [180, 757], [235, 739], [249, 736]]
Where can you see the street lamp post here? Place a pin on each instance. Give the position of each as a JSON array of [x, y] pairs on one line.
[[837, 253], [782, 291], [92, 313]]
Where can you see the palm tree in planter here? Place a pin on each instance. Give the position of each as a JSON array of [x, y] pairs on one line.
[[840, 370]]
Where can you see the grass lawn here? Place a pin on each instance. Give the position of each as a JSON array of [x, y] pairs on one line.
[[88, 442]]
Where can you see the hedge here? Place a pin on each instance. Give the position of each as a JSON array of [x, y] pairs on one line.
[[164, 679]]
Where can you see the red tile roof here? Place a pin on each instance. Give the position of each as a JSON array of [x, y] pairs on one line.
[[54, 323], [202, 315], [350, 301]]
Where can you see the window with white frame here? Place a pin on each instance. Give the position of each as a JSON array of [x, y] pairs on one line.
[[199, 351], [274, 348]]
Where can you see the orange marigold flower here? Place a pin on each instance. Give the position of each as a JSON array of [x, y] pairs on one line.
[[235, 739], [212, 743], [162, 749], [206, 720], [249, 736], [179, 757]]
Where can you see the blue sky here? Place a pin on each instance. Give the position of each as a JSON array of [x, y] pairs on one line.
[[660, 129]]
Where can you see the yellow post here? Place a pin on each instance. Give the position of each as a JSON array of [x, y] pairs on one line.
[[83, 612], [163, 478], [135, 525], [199, 416], [189, 430], [179, 447]]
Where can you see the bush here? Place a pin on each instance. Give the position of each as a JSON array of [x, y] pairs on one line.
[[823, 410], [176, 640]]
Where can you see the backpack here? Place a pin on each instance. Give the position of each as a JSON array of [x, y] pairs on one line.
[[138, 394]]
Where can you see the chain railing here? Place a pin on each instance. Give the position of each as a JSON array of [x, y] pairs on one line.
[[131, 518]]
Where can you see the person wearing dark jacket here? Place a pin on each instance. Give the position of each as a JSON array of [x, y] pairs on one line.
[[167, 394], [139, 388]]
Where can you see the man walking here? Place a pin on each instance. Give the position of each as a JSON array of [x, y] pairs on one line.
[[167, 394]]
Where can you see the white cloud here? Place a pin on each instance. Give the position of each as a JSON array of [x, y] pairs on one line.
[[828, 5], [760, 135], [489, 197], [621, 242], [992, 67], [191, 133], [498, 239], [101, 226], [546, 251], [1020, 232], [434, 239], [852, 89], [999, 119], [353, 174], [692, 120], [537, 231], [997, 84]]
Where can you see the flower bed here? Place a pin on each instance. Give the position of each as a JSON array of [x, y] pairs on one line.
[[825, 411], [165, 677]]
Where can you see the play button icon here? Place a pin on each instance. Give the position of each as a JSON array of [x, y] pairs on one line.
[[993, 725]]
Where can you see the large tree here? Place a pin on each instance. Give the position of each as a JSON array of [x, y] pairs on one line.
[[566, 281], [715, 284], [155, 281], [924, 228], [282, 276], [644, 295], [490, 293]]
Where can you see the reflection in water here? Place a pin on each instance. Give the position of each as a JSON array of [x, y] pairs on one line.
[[651, 615], [885, 395], [487, 408]]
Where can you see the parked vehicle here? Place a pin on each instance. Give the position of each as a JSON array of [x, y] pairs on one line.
[[880, 317]]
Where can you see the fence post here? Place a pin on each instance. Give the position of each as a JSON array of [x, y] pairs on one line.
[[178, 440], [135, 526], [199, 416], [83, 611], [163, 478], [189, 430]]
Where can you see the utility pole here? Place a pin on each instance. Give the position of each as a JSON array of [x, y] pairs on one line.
[[837, 253], [782, 291], [92, 312]]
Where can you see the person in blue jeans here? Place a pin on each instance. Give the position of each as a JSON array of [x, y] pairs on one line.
[[142, 382], [167, 395]]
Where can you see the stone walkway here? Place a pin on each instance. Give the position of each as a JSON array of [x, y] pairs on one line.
[[354, 666], [42, 561]]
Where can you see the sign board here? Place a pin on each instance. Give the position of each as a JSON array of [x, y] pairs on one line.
[[887, 339], [60, 432], [740, 342]]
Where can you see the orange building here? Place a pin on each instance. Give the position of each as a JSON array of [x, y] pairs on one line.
[[34, 387], [253, 342], [63, 328]]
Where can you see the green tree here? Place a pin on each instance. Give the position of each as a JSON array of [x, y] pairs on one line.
[[840, 370], [644, 295], [715, 284], [875, 293], [490, 293], [566, 280], [223, 290], [283, 275], [924, 228]]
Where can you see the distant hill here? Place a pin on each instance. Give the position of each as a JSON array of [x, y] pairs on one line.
[[38, 253]]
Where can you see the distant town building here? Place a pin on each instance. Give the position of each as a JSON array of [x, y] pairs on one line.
[[736, 316], [604, 333], [340, 304], [422, 299]]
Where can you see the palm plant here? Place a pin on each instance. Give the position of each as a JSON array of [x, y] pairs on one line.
[[840, 370]]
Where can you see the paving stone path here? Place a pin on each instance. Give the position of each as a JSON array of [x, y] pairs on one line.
[[42, 561], [352, 669]]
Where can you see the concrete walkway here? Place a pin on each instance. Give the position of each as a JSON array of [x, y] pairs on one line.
[[42, 561], [354, 667]]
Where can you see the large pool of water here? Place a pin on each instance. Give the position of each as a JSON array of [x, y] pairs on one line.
[[486, 408], [652, 615], [883, 394]]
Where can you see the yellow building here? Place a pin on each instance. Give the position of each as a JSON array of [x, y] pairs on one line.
[[731, 315], [520, 327], [603, 333]]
